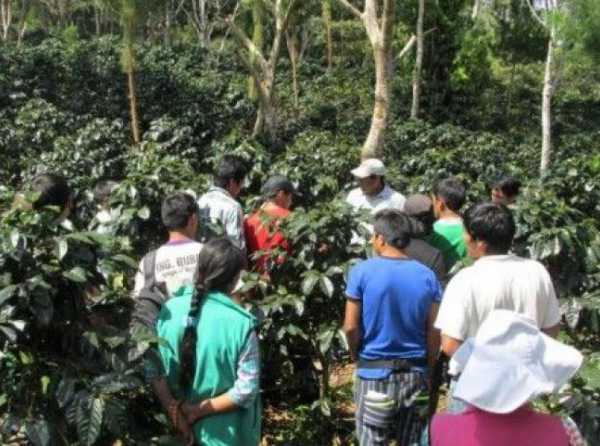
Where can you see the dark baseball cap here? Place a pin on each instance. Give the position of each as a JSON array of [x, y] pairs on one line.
[[417, 204]]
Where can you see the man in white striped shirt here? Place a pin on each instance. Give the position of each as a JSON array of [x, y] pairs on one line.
[[219, 209]]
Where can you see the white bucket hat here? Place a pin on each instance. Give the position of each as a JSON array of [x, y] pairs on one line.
[[510, 362], [368, 167]]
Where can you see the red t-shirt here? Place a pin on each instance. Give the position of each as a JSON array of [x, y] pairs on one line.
[[265, 237]]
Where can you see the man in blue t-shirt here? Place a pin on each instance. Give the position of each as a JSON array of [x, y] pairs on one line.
[[392, 302]]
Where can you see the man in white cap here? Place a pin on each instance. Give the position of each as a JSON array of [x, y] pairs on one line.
[[506, 365], [373, 194]]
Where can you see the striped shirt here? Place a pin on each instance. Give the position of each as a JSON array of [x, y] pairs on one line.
[[247, 384], [219, 208]]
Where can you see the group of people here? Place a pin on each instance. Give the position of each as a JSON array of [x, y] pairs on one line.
[[495, 319]]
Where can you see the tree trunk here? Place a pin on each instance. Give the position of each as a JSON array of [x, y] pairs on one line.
[[416, 83], [25, 5], [167, 35], [547, 95], [328, 32], [476, 8], [6, 18], [258, 40], [380, 32], [97, 20], [204, 24], [133, 106], [373, 146], [294, 53]]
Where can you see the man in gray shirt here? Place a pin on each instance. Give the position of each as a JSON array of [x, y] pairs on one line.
[[219, 207]]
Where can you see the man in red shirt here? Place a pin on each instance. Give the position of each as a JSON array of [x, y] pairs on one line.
[[262, 227]]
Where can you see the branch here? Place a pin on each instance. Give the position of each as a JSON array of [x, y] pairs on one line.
[[409, 45], [353, 9], [245, 41], [536, 15]]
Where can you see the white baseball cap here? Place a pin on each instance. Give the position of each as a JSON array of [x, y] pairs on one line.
[[368, 167], [510, 362]]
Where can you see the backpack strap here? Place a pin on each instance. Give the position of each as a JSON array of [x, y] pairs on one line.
[[149, 263]]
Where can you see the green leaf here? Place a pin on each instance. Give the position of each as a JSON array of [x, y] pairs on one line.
[[76, 274], [326, 286], [63, 248], [65, 391], [89, 420], [144, 213], [45, 382], [26, 358], [125, 259], [7, 292], [38, 432], [309, 282], [15, 237], [325, 338], [9, 332]]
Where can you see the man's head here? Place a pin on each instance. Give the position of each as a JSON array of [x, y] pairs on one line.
[[448, 195], [53, 190], [230, 175], [391, 229], [489, 229], [179, 213], [505, 190], [420, 208], [102, 192], [370, 175], [279, 190]]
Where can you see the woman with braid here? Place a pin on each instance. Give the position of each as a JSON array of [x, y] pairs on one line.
[[210, 357]]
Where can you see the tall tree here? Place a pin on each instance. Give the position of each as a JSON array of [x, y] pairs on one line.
[[380, 31], [258, 37], [263, 69], [5, 18], [131, 14], [327, 21], [546, 13], [416, 82]]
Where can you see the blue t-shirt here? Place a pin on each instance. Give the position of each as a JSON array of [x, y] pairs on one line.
[[396, 296]]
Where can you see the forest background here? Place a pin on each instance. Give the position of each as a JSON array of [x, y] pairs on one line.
[[151, 93]]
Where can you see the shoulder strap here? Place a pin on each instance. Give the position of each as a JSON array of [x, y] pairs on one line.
[[149, 268]]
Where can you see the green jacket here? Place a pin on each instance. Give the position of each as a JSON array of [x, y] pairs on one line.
[[222, 329]]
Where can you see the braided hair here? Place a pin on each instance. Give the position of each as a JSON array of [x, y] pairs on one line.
[[219, 263]]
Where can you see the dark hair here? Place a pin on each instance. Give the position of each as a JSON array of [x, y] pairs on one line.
[[394, 226], [53, 190], [219, 262], [452, 192], [103, 190], [230, 168], [491, 223], [274, 185], [509, 186], [177, 209]]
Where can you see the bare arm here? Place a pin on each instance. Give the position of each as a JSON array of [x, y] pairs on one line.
[[433, 336], [219, 404], [450, 345], [352, 326], [552, 331], [162, 391]]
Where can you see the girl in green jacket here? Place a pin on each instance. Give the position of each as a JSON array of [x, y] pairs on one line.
[[211, 357]]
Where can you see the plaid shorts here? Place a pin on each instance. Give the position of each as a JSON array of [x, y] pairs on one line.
[[385, 410]]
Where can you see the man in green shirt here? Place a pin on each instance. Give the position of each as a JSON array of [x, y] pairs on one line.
[[448, 197]]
